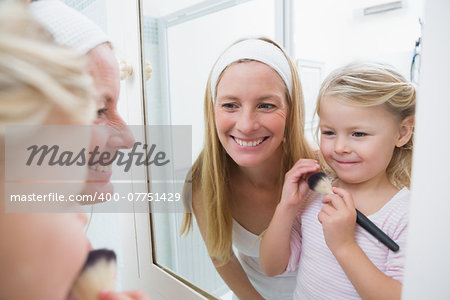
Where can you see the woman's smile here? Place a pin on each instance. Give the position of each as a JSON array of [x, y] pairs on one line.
[[249, 143]]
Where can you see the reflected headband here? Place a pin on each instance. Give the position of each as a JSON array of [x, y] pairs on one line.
[[253, 49]]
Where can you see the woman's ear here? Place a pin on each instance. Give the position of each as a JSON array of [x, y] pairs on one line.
[[406, 131]]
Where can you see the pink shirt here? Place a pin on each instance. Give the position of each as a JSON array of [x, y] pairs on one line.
[[319, 274]]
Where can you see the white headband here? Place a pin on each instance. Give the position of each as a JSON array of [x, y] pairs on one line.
[[253, 49], [68, 26]]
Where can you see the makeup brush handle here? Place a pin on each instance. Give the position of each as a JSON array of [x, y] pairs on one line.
[[373, 229]]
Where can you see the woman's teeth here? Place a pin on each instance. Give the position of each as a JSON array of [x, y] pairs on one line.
[[249, 143]]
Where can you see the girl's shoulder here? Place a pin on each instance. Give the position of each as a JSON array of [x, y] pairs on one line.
[[395, 212], [401, 199]]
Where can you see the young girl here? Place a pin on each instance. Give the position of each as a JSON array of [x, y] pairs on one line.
[[366, 123]]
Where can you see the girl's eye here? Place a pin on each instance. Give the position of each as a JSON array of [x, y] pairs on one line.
[[266, 106], [101, 112], [327, 132], [359, 134]]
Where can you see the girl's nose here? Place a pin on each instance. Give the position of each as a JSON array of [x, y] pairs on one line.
[[341, 145]]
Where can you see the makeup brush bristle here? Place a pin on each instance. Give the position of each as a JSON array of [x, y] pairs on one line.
[[320, 183], [98, 274]]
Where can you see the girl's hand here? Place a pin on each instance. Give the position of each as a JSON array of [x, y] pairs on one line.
[[338, 219], [128, 295], [295, 185]]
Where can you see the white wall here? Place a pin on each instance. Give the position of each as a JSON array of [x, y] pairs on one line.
[[158, 8], [428, 257], [337, 32]]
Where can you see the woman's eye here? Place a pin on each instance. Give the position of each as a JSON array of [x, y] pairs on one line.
[[229, 105], [266, 106], [359, 134], [101, 112]]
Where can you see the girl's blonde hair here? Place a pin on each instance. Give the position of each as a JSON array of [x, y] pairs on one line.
[[371, 84], [210, 173], [37, 77]]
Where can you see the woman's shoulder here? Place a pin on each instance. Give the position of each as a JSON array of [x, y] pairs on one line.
[[191, 188], [196, 201], [196, 197], [193, 199]]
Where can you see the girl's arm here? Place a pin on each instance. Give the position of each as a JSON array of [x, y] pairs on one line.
[[275, 250], [232, 272], [338, 217]]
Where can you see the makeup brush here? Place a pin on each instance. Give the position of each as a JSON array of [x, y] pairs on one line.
[[320, 183], [98, 274]]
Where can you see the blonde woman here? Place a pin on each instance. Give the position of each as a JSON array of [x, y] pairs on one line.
[[254, 134], [41, 84], [366, 113]]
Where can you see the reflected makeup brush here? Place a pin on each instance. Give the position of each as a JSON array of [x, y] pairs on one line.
[[98, 274], [320, 183]]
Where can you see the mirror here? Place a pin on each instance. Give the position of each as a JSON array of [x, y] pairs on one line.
[[182, 40], [181, 46]]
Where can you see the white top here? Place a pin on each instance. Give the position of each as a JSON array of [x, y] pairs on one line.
[[319, 274], [279, 287]]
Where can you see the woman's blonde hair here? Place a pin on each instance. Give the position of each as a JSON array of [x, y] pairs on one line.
[[37, 77], [210, 173], [372, 84]]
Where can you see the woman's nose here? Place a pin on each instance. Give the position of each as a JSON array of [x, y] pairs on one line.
[[247, 121], [121, 137]]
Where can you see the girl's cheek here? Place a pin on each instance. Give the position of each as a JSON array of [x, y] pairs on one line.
[[324, 147]]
